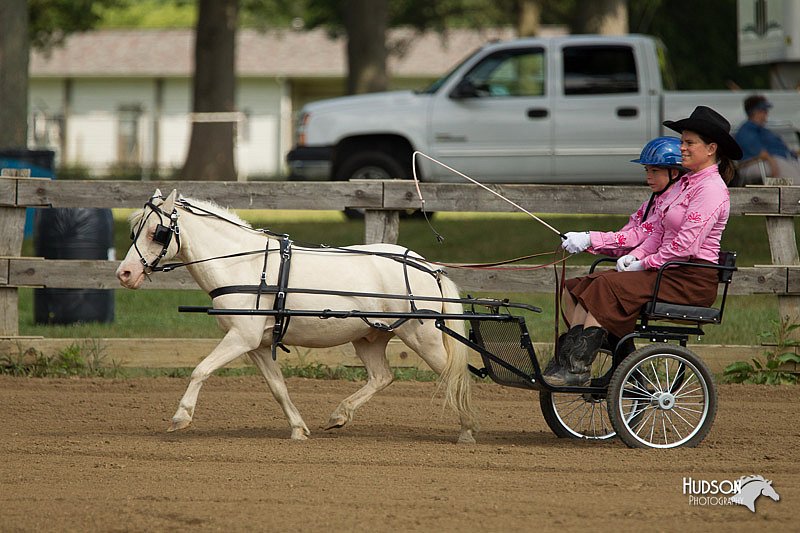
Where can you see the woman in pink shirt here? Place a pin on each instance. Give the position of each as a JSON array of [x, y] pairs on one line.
[[689, 229]]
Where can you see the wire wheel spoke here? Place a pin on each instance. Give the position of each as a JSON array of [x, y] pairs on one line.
[[664, 398], [583, 417]]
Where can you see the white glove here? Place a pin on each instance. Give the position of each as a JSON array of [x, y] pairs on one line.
[[576, 241], [624, 262], [636, 266]]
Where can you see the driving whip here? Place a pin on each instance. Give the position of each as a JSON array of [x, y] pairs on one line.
[[451, 169]]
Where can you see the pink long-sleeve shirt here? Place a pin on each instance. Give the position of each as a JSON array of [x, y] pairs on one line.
[[691, 226], [620, 242]]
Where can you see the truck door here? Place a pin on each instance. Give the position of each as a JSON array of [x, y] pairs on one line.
[[494, 122], [601, 115]]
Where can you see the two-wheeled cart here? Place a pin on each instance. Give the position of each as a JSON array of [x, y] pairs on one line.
[[657, 394]]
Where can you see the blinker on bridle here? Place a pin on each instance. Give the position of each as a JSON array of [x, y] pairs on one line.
[[162, 234]]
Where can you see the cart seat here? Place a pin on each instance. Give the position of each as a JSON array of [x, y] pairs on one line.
[[658, 319], [658, 310], [688, 313]]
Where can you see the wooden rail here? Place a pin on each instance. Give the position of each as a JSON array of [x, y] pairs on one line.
[[382, 201]]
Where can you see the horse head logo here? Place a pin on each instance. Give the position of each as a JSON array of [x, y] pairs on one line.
[[750, 488]]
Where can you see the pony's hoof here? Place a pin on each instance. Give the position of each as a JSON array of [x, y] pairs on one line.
[[299, 434], [178, 424], [335, 422], [466, 438]]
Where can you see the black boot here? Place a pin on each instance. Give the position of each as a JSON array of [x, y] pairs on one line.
[[563, 345], [578, 368]]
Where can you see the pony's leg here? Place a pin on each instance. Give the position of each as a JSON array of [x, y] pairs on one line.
[[262, 357], [429, 343], [372, 352], [229, 348]]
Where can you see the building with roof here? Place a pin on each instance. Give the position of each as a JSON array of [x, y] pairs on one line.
[[121, 99]]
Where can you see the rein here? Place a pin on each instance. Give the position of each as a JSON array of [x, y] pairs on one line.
[[163, 235], [167, 232]]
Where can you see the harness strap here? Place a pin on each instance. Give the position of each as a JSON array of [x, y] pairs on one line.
[[253, 289], [281, 319], [408, 283], [385, 327], [263, 283]]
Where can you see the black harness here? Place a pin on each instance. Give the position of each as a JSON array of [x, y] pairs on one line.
[[163, 236], [281, 289]]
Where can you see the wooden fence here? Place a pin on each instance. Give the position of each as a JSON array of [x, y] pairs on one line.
[[382, 200]]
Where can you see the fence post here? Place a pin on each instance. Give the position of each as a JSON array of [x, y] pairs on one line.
[[12, 232], [783, 248], [381, 226]]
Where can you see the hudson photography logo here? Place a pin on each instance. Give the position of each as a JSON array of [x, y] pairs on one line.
[[743, 491]]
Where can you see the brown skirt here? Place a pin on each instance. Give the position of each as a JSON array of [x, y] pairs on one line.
[[615, 299]]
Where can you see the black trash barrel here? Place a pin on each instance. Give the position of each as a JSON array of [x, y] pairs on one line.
[[71, 233], [40, 163]]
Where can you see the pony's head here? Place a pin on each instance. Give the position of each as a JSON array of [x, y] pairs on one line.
[[155, 236]]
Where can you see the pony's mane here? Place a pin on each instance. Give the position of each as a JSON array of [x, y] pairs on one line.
[[218, 210], [211, 207]]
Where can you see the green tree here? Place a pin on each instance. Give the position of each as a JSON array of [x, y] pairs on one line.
[[52, 20], [41, 24], [210, 155], [14, 52], [600, 16], [692, 30], [365, 23]]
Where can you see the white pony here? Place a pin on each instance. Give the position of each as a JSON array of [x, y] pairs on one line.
[[171, 229]]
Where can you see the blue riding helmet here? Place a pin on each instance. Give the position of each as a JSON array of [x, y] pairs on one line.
[[661, 152]]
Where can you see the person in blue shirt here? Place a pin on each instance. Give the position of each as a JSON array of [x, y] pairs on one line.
[[759, 144]]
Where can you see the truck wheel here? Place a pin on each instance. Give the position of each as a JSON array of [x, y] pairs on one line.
[[372, 165]]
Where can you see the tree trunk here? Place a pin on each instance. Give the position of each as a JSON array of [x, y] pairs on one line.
[[366, 22], [528, 18], [14, 53], [606, 17], [211, 146]]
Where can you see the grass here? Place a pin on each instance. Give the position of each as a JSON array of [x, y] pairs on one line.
[[469, 237]]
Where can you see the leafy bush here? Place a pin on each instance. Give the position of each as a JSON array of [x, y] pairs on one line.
[[84, 360], [772, 370]]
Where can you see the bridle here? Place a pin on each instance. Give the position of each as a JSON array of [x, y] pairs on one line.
[[162, 234]]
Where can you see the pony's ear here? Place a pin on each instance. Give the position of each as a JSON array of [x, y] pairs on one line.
[[156, 194], [169, 203]]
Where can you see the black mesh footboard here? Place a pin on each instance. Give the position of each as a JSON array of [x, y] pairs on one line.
[[506, 350], [505, 347]]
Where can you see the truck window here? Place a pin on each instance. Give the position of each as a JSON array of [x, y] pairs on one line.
[[433, 87], [599, 70], [510, 73]]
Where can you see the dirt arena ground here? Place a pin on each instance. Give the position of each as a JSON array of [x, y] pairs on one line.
[[92, 455]]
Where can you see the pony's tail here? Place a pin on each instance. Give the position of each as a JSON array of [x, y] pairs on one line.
[[456, 377]]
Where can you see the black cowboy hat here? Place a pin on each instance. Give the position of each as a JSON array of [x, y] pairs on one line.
[[711, 125]]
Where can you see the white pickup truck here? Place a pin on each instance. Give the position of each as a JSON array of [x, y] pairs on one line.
[[571, 109]]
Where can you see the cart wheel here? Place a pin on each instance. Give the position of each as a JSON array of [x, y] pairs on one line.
[[662, 396], [580, 416]]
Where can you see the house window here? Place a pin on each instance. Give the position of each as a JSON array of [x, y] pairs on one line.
[[45, 129], [128, 149]]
